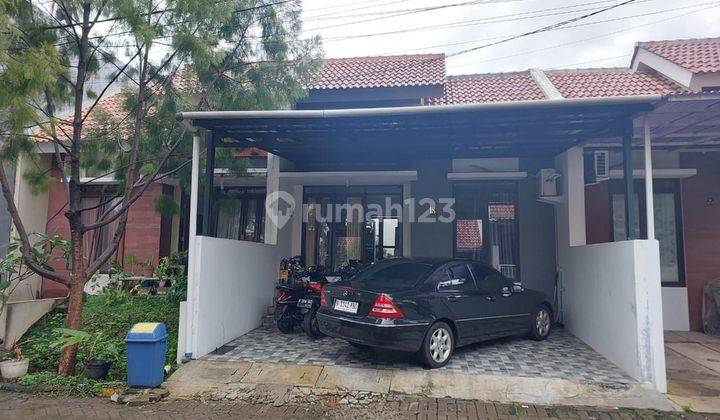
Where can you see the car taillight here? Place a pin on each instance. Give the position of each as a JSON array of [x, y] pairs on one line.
[[384, 307], [280, 296], [323, 299]]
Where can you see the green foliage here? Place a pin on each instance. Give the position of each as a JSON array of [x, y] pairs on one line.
[[49, 383], [38, 180], [172, 268], [166, 206], [111, 315], [96, 345]]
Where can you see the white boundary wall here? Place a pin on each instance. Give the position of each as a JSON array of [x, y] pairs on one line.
[[235, 286], [612, 302], [611, 292]]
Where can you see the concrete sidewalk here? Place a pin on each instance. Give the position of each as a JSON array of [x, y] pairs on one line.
[[693, 369], [282, 383]]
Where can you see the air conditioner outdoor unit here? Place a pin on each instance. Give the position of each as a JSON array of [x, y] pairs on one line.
[[547, 184], [601, 165]]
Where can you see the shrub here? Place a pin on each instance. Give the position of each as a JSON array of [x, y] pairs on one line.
[[52, 384], [113, 314]]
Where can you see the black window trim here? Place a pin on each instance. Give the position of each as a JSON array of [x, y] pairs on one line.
[[659, 185]]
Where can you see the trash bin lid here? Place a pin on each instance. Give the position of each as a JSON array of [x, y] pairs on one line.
[[146, 331]]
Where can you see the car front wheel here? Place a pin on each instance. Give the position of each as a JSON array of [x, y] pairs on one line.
[[541, 323], [438, 346]]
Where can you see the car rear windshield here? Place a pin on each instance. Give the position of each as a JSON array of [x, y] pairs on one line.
[[394, 275]]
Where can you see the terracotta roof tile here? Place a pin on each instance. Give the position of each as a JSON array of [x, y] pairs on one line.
[[109, 109], [382, 71], [609, 82], [696, 55], [477, 88]]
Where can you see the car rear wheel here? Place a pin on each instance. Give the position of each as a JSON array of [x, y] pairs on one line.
[[311, 326], [438, 346], [541, 323]]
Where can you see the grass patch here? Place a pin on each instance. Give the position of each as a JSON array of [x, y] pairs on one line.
[[112, 313], [49, 383]]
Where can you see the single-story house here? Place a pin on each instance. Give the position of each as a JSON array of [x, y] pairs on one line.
[[545, 169]]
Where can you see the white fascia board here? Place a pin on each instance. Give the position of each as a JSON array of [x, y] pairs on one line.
[[663, 66], [657, 173], [462, 176]]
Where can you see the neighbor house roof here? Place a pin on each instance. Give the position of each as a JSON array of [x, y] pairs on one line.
[[108, 110], [381, 72], [700, 55], [609, 82], [498, 87]]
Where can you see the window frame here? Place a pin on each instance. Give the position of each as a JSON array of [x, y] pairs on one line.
[[671, 186], [445, 270]]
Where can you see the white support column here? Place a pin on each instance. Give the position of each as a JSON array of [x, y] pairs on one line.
[[649, 204], [193, 281], [271, 190]]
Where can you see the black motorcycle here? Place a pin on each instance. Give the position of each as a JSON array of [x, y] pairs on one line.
[[291, 287], [310, 303]]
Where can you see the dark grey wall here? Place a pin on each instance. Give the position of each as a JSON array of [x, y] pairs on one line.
[[536, 222], [431, 239], [537, 232]]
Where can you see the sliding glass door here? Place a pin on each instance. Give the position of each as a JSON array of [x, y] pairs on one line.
[[343, 224]]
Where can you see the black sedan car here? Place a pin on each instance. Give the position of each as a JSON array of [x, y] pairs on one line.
[[430, 307]]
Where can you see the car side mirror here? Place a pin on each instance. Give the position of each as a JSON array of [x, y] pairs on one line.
[[517, 287]]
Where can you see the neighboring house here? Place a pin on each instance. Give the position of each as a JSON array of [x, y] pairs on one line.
[[500, 217]]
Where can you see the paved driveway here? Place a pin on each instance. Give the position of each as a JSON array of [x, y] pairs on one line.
[[561, 356]]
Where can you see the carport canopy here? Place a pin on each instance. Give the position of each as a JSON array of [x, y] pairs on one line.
[[523, 128], [376, 135]]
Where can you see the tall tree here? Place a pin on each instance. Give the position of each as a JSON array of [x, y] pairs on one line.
[[170, 55]]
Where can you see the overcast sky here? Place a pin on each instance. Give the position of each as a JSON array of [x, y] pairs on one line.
[[350, 27]]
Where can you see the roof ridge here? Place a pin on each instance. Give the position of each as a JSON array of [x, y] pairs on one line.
[[680, 41], [589, 70], [380, 57], [470, 76]]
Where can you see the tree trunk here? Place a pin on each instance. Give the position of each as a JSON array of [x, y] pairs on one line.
[[78, 277], [68, 356]]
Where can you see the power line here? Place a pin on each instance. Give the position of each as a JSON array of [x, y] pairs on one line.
[[504, 40], [713, 5], [413, 11], [155, 12], [481, 21]]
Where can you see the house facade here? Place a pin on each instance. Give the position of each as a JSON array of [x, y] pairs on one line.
[[540, 174]]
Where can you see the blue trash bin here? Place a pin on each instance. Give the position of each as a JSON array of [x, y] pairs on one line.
[[146, 347]]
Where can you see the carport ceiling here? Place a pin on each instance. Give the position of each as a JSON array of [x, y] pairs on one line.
[[531, 128]]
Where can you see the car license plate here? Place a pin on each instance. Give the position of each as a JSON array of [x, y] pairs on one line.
[[346, 306], [305, 303], [283, 274]]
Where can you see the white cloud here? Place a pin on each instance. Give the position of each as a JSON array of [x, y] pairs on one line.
[[611, 44]]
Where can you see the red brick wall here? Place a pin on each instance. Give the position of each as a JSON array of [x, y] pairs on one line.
[[597, 213], [142, 233], [701, 217]]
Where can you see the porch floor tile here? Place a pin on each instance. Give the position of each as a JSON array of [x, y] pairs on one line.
[[560, 356]]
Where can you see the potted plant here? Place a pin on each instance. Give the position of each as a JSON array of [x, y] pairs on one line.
[[99, 350], [16, 366]]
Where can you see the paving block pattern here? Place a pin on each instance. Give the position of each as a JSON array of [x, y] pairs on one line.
[[561, 356]]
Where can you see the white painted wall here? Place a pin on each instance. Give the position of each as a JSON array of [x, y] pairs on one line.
[[676, 316], [236, 283], [611, 293], [613, 303]]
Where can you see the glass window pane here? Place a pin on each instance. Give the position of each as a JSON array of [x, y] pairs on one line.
[[228, 219], [391, 274], [250, 221], [666, 233], [618, 215]]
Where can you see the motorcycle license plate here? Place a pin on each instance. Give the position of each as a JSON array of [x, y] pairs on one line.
[[305, 303], [283, 274], [346, 306]]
